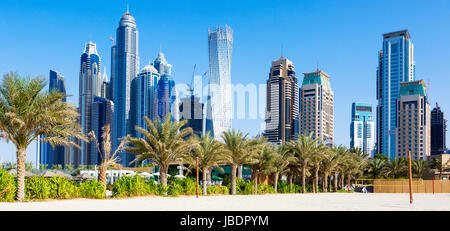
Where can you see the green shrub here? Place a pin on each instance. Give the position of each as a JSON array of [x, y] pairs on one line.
[[131, 186], [61, 188], [37, 187], [92, 189], [7, 186], [217, 190], [265, 189], [283, 187]]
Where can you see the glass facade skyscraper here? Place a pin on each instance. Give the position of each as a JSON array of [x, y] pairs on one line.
[[102, 114], [362, 128], [125, 67], [166, 87], [144, 89], [438, 131], [47, 154], [89, 87], [219, 103], [396, 64]]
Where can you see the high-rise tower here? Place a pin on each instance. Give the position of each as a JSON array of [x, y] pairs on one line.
[[396, 64], [89, 87], [145, 97], [165, 88], [47, 154], [282, 115], [317, 107], [362, 129], [219, 113], [438, 129], [413, 121], [126, 67]]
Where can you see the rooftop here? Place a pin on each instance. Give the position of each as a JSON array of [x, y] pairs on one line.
[[403, 33]]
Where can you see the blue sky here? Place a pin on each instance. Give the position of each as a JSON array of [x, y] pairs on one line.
[[342, 36]]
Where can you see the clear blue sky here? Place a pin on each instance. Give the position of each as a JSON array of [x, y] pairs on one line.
[[343, 36]]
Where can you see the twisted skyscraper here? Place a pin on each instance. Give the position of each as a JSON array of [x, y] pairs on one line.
[[219, 113]]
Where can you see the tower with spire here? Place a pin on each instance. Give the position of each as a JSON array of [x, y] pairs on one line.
[[125, 68]]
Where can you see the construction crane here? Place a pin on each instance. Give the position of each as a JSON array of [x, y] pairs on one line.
[[191, 86]]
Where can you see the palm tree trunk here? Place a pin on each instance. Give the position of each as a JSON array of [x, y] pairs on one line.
[[342, 177], [163, 177], [331, 182], [325, 182], [316, 178], [205, 174], [335, 182], [304, 176], [233, 179], [21, 158], [239, 174], [256, 184], [290, 182], [276, 181], [314, 186], [102, 175]]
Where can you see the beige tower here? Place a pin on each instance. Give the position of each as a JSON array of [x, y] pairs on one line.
[[316, 107], [282, 102], [413, 121]]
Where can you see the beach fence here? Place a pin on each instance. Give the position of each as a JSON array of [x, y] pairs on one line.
[[402, 186]]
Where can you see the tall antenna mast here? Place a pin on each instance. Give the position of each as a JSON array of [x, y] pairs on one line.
[[112, 40]]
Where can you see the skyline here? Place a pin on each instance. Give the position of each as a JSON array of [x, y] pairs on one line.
[[253, 47]]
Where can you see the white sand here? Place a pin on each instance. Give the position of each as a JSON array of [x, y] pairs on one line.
[[277, 202]]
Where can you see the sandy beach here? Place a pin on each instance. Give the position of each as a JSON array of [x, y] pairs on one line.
[[272, 202]]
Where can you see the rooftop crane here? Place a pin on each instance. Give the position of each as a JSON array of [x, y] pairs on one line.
[[191, 87]]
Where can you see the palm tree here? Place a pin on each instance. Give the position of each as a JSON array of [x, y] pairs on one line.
[[280, 163], [27, 112], [316, 162], [329, 164], [263, 159], [109, 159], [419, 167], [304, 148], [397, 167], [341, 155], [162, 142], [210, 153], [377, 167], [238, 152]]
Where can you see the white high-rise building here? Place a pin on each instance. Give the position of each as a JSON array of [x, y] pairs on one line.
[[219, 105], [362, 128]]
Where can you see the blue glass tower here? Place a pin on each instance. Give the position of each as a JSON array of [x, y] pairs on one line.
[[125, 65], [166, 87], [145, 94], [47, 154], [102, 114], [396, 64]]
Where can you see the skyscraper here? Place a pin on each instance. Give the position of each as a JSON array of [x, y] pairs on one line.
[[396, 64], [145, 97], [438, 130], [191, 109], [282, 115], [219, 113], [47, 154], [413, 121], [89, 87], [105, 91], [102, 114], [126, 66], [166, 87], [316, 107], [362, 128]]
